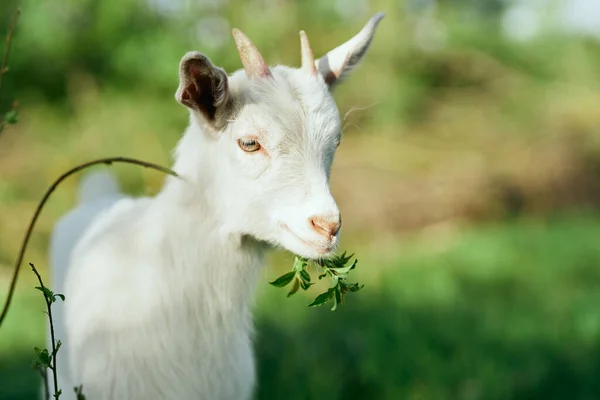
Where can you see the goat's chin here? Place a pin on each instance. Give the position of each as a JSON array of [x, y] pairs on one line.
[[305, 248], [310, 252]]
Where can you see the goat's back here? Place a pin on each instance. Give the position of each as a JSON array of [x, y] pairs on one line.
[[97, 193]]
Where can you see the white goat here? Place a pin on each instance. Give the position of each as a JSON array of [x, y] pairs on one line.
[[159, 290]]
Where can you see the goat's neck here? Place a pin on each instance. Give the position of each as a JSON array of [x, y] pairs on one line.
[[212, 261]]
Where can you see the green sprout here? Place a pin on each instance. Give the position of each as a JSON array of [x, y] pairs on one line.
[[46, 359], [336, 268]]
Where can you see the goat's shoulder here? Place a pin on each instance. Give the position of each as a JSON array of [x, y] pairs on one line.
[[116, 236], [112, 256], [118, 220]]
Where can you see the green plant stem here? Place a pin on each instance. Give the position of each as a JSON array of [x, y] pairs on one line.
[[107, 161], [54, 352]]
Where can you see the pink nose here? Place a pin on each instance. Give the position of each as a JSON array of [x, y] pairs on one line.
[[326, 226]]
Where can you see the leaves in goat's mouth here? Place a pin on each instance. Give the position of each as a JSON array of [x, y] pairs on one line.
[[336, 268]]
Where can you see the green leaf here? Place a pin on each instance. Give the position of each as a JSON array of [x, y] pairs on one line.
[[283, 280], [337, 299], [61, 296], [295, 288], [305, 275], [47, 292], [339, 260], [334, 281], [322, 298], [344, 259], [354, 287], [344, 270], [43, 356], [305, 285]]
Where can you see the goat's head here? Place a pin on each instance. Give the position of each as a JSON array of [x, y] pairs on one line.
[[271, 134]]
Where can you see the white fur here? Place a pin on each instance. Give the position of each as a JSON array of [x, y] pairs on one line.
[[159, 290]]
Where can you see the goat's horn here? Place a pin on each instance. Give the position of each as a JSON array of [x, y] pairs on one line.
[[253, 62], [308, 59]]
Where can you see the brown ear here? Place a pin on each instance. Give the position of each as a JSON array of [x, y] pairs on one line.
[[203, 87]]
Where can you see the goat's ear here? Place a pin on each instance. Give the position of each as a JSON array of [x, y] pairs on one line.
[[203, 87], [339, 62]]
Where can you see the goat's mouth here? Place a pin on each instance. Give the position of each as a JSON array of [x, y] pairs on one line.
[[320, 248]]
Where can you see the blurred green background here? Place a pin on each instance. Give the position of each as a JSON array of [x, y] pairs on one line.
[[469, 180]]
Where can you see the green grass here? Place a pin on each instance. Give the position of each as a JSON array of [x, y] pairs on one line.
[[504, 311], [22, 329]]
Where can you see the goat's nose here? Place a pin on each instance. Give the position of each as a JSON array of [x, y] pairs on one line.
[[326, 226]]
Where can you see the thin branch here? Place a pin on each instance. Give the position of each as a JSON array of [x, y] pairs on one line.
[[4, 69], [107, 161], [49, 307]]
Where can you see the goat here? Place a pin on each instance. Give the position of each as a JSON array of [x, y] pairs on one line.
[[159, 289]]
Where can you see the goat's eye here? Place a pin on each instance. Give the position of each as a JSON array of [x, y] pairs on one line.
[[249, 145]]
